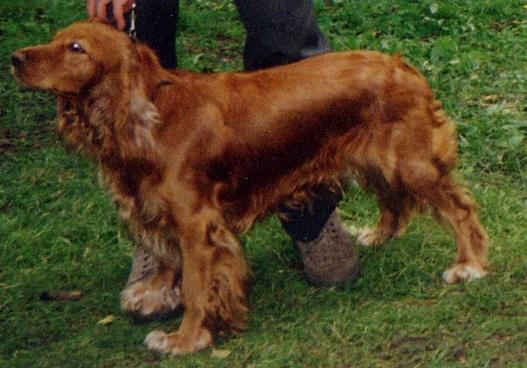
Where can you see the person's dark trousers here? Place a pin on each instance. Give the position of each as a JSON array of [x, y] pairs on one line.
[[156, 25], [277, 32]]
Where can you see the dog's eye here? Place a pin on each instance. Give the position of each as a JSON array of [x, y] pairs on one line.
[[75, 47]]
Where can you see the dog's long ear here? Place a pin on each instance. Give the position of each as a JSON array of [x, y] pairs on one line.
[[137, 118]]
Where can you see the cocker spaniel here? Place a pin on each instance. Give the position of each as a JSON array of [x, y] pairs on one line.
[[193, 160]]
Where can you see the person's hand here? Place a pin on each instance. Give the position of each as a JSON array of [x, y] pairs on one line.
[[99, 9]]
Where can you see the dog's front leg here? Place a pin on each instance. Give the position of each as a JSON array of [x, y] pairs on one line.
[[214, 287]]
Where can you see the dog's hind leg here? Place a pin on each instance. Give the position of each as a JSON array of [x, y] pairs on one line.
[[454, 204], [214, 287], [396, 206]]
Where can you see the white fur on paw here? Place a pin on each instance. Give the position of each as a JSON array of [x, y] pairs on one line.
[[157, 340], [137, 298], [367, 237], [463, 273]]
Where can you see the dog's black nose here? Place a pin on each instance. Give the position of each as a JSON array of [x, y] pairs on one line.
[[18, 59]]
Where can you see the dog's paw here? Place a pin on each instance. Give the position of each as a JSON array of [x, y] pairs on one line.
[[141, 299], [463, 272], [177, 344], [157, 341], [368, 237]]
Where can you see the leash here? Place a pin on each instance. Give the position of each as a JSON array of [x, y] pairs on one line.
[[132, 32]]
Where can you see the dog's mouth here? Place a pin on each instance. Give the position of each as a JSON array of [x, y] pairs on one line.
[[24, 86], [22, 79], [30, 85]]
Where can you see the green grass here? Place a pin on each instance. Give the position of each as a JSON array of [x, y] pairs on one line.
[[59, 231]]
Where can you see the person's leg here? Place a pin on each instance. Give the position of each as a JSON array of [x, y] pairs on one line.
[[156, 25], [304, 222], [281, 32]]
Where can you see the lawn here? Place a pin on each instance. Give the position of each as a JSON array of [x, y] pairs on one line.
[[59, 231]]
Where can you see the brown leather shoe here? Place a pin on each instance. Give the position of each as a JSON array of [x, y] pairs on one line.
[[333, 257], [144, 266], [152, 289]]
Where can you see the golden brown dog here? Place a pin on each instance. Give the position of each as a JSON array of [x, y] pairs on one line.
[[194, 159]]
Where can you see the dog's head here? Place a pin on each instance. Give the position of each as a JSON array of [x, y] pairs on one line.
[[102, 81], [75, 59]]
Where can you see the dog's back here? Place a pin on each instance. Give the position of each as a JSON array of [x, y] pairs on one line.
[[265, 135]]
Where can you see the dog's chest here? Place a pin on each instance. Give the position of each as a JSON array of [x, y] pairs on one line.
[[133, 189]]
